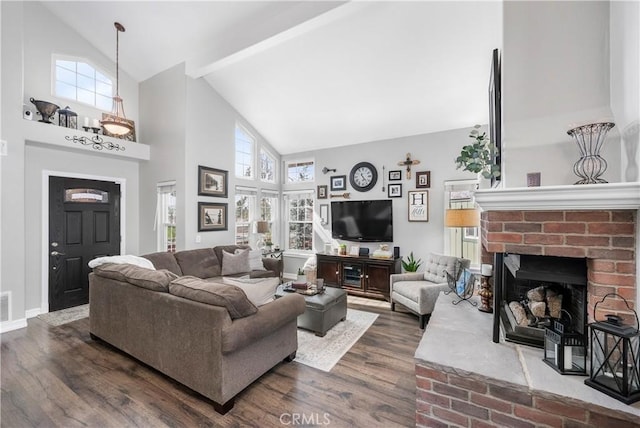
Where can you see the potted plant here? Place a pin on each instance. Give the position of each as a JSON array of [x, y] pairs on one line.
[[411, 264], [477, 157]]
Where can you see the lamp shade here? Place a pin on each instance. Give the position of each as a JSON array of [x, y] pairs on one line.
[[462, 217], [262, 227]]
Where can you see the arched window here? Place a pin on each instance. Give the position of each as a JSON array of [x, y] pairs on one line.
[[77, 80]]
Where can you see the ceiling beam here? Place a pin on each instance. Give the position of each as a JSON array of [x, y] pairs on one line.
[[287, 28]]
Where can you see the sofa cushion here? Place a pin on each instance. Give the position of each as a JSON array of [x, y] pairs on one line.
[[213, 293], [201, 263], [235, 263], [164, 260], [258, 290], [156, 280]]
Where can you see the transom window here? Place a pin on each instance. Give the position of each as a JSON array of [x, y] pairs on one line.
[[267, 167], [80, 81], [300, 171], [245, 144]]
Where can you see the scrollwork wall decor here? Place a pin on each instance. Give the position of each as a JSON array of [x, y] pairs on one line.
[[96, 142]]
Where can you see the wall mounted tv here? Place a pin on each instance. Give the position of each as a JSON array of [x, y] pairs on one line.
[[362, 221]]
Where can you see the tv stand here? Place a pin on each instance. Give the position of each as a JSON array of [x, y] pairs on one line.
[[358, 275]]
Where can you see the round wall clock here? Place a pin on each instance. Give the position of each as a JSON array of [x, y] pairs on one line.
[[363, 176]]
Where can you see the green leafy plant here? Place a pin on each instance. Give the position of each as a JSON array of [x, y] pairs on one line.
[[411, 265], [477, 157]]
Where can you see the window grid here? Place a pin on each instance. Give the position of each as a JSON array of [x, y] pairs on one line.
[[267, 167], [244, 216], [300, 221], [79, 81], [244, 153], [269, 213]]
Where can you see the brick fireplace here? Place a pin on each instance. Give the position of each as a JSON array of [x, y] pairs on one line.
[[606, 238], [473, 382]]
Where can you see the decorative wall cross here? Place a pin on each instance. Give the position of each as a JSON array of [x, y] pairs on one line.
[[408, 162]]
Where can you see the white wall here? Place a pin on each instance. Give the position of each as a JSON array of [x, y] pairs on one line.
[[46, 35], [30, 34], [201, 132], [40, 158], [625, 82], [436, 153], [162, 113], [555, 74]]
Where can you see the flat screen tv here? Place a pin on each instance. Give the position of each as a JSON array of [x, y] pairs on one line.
[[362, 221]]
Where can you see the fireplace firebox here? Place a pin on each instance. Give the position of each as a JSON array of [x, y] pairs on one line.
[[531, 291]]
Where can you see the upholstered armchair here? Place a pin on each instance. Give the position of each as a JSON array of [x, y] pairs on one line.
[[418, 291]]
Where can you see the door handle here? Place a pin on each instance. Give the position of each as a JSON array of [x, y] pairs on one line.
[[56, 253]]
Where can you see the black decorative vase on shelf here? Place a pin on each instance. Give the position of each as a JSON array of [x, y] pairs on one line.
[[590, 139], [45, 109]]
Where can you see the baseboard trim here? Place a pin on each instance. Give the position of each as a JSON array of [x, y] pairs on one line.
[[7, 326], [30, 313]]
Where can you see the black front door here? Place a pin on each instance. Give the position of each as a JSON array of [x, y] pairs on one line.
[[84, 223]]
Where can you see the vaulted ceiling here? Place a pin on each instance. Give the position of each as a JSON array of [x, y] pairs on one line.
[[314, 74]]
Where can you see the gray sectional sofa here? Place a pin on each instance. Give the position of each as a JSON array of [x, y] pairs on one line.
[[204, 334]]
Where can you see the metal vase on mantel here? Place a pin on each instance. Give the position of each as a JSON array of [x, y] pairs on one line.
[[590, 139]]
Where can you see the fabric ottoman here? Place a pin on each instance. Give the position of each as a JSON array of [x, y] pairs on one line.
[[323, 311]]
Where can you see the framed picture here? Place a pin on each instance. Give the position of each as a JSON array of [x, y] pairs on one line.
[[418, 205], [354, 250], [394, 190], [322, 192], [423, 179], [129, 137], [339, 182], [533, 179], [395, 175], [324, 213], [212, 182], [212, 216]]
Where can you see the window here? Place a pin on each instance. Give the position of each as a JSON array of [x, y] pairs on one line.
[[300, 221], [245, 214], [267, 167], [244, 153], [80, 81], [461, 241], [269, 212], [166, 217], [300, 172]]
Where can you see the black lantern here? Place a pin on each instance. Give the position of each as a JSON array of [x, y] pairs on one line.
[[615, 357], [565, 350], [67, 118]]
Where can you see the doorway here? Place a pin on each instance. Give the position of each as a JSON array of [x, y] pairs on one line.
[[84, 223]]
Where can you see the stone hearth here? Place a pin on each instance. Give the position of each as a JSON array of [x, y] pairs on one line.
[[465, 379]]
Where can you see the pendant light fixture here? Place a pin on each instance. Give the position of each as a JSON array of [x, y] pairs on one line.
[[117, 124]]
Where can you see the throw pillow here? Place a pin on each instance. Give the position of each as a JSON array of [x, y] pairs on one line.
[[235, 263], [258, 290], [213, 293], [255, 260]]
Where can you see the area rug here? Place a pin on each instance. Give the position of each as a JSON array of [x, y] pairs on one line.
[[323, 353], [65, 315]]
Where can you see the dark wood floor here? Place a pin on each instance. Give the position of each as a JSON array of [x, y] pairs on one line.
[[59, 377]]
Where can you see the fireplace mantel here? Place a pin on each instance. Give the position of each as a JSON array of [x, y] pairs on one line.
[[612, 196]]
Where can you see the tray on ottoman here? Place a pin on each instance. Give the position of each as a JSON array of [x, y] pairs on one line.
[[323, 311]]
